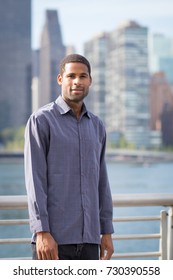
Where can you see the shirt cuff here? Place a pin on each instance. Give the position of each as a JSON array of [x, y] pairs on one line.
[[106, 226], [39, 226]]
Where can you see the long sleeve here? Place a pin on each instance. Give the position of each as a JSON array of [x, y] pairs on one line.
[[36, 174], [105, 198]]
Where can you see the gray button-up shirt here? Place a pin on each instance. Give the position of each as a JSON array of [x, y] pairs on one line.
[[65, 173]]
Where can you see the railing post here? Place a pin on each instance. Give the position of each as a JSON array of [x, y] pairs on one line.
[[163, 231], [170, 234]]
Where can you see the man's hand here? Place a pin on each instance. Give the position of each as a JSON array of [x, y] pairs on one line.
[[46, 246], [106, 247]]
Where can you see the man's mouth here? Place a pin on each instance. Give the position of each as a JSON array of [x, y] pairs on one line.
[[77, 90]]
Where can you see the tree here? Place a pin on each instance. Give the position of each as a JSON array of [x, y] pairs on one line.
[[12, 138]]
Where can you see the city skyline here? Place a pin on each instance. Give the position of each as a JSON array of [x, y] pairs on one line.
[[79, 24]]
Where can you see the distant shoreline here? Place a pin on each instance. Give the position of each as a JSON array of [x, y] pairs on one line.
[[144, 157], [11, 154]]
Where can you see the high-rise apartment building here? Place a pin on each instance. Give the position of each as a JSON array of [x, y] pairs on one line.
[[167, 124], [15, 62], [127, 79], [161, 97], [96, 52], [52, 51], [120, 89], [161, 94]]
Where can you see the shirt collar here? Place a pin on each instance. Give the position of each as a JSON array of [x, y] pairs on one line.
[[64, 108]]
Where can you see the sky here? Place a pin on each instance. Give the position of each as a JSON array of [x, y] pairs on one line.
[[81, 20]]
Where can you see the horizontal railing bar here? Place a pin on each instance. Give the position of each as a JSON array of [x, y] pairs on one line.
[[114, 237], [14, 222], [13, 202], [136, 218], [136, 236], [22, 258], [114, 256], [15, 240], [119, 200], [118, 219], [135, 255], [141, 199]]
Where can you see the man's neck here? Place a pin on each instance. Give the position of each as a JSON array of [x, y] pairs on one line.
[[76, 107]]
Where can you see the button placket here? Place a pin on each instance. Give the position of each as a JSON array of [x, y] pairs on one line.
[[82, 175]]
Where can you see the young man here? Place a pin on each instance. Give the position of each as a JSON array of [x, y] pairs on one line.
[[69, 198]]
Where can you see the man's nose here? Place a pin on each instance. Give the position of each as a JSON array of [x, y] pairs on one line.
[[77, 81]]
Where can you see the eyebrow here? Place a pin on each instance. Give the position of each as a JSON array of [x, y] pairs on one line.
[[73, 73]]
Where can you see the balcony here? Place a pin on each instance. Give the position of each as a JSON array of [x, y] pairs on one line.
[[164, 217]]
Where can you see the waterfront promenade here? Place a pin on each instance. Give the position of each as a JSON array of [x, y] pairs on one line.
[[139, 156]]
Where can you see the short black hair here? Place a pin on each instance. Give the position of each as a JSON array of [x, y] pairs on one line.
[[74, 58]]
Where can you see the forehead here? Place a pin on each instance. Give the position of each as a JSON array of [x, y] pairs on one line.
[[76, 67]]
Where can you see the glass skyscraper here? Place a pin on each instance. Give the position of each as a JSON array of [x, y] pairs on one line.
[[15, 62], [52, 51], [161, 55]]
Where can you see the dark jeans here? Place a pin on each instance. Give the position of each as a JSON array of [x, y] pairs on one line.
[[84, 251]]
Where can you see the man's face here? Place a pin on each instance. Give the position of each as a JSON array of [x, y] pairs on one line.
[[75, 82]]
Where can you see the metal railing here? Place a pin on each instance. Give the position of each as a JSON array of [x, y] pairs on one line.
[[165, 218]]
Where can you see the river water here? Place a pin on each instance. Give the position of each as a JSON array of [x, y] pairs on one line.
[[124, 178]]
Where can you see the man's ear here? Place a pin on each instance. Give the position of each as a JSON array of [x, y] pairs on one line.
[[90, 80], [59, 79]]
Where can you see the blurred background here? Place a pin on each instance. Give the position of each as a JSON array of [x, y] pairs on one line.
[[129, 45]]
